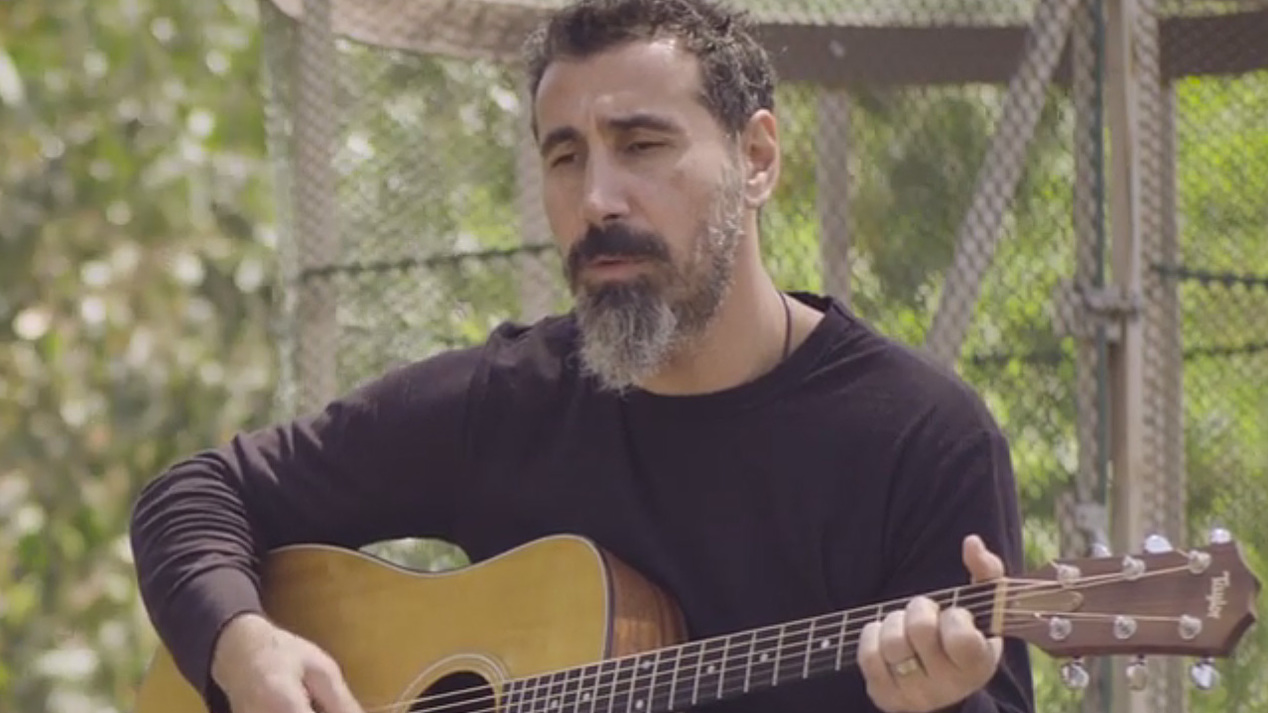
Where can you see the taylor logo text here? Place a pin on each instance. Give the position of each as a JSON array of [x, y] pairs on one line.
[[1216, 600]]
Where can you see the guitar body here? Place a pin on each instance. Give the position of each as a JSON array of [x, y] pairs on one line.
[[398, 634]]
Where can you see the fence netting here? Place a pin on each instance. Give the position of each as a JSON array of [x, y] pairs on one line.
[[948, 171]]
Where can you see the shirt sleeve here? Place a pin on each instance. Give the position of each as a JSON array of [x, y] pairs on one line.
[[380, 463], [957, 481]]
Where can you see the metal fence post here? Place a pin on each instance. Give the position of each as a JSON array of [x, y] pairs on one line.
[[316, 230]]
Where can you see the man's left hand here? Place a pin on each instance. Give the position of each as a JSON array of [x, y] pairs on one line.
[[920, 659]]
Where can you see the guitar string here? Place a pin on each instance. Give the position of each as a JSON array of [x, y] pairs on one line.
[[974, 593], [987, 594], [531, 700], [980, 593], [848, 632], [534, 700], [595, 704]]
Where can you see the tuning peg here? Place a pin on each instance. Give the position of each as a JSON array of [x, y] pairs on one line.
[[1219, 536], [1100, 549], [1138, 674], [1204, 674], [1157, 544], [1074, 674]]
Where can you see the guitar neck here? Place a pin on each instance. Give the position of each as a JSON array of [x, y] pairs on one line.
[[683, 676]]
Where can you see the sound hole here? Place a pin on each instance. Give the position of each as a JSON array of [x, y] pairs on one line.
[[463, 692]]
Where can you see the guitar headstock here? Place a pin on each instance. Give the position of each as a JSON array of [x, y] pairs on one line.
[[1162, 601]]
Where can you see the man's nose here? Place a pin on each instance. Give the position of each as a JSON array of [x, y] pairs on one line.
[[605, 192]]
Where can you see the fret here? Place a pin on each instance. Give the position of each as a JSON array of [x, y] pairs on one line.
[[533, 695], [664, 679], [688, 688], [780, 651], [604, 688], [843, 637], [762, 659], [619, 695], [508, 698], [557, 684], [587, 689], [568, 698], [812, 645], [642, 680], [793, 653], [709, 672], [722, 665], [735, 677], [821, 653], [879, 616]]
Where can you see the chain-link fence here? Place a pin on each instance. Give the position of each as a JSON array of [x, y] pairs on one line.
[[1211, 269], [950, 170]]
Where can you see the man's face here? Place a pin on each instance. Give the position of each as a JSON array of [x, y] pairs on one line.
[[644, 194]]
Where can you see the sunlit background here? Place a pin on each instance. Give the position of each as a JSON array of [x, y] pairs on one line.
[[214, 214]]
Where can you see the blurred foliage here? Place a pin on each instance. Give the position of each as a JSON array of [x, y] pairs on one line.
[[136, 270], [140, 286]]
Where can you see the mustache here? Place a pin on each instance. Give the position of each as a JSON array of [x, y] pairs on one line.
[[615, 240]]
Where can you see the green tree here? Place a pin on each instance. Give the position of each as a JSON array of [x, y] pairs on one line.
[[135, 260], [138, 318]]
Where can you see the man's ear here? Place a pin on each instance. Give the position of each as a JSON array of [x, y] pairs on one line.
[[759, 144]]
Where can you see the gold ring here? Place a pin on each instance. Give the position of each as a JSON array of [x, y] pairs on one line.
[[907, 667]]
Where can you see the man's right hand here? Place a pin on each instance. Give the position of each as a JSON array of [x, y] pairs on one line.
[[265, 669]]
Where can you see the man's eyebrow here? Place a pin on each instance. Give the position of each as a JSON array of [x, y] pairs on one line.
[[629, 122], [558, 136], [643, 120]]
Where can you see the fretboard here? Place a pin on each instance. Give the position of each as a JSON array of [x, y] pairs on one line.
[[687, 675]]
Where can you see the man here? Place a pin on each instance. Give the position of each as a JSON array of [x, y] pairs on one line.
[[761, 456]]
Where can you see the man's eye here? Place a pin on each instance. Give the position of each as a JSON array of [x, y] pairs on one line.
[[562, 159], [641, 146]]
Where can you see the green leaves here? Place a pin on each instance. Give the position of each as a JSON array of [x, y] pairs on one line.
[[138, 248], [127, 158]]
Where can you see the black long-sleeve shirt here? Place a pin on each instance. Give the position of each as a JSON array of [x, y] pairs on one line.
[[848, 475]]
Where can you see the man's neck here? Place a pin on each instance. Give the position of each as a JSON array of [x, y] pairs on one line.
[[745, 340]]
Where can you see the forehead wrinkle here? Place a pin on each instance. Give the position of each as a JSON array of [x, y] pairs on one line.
[[648, 76]]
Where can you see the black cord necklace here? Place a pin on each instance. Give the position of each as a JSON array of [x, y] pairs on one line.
[[787, 326]]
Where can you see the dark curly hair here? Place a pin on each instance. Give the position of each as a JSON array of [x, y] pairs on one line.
[[736, 75]]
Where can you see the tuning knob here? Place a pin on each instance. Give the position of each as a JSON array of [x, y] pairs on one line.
[[1204, 674], [1219, 536], [1074, 674], [1157, 544], [1138, 674], [1100, 549]]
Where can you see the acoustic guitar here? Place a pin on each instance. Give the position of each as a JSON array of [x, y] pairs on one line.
[[559, 625]]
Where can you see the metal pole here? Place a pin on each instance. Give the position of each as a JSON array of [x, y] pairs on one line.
[[1083, 516], [538, 286], [983, 225], [1127, 355], [833, 190], [317, 233]]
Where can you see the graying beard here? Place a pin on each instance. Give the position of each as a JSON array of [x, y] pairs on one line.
[[631, 332], [623, 344]]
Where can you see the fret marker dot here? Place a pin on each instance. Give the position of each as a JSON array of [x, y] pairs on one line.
[[554, 703], [647, 665], [638, 705], [585, 696], [825, 643], [763, 658], [711, 668]]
